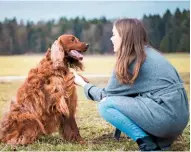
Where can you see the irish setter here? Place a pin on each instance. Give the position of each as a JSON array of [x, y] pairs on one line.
[[46, 102]]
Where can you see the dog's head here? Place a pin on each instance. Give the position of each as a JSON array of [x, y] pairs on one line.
[[67, 51], [72, 46]]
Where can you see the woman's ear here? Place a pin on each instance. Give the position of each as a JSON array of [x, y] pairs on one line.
[[57, 55]]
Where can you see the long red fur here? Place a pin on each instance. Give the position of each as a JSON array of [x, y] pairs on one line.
[[46, 102]]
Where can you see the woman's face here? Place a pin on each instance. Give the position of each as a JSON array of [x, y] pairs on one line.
[[116, 39]]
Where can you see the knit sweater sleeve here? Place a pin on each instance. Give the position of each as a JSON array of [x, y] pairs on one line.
[[112, 88], [94, 93]]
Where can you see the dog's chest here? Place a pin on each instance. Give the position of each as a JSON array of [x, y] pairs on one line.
[[60, 84]]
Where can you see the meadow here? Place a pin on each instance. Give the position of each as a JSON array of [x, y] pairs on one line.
[[21, 64], [97, 132]]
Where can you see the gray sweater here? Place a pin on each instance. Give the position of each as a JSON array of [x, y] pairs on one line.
[[158, 95]]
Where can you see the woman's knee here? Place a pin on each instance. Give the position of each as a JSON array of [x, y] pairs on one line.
[[103, 105]]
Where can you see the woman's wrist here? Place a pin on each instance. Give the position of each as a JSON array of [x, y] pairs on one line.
[[83, 84]]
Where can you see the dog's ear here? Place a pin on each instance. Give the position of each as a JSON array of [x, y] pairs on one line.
[[57, 55]]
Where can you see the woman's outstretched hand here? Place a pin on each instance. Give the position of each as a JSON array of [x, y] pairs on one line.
[[79, 80]]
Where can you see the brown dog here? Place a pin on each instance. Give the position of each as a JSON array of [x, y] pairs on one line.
[[47, 100]]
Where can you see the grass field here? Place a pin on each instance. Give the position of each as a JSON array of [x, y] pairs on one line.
[[93, 128], [20, 65]]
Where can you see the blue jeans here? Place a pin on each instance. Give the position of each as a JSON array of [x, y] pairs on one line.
[[113, 115]]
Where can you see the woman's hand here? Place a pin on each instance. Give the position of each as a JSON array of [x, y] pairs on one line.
[[79, 80]]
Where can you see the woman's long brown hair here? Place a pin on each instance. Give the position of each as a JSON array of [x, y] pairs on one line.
[[134, 38]]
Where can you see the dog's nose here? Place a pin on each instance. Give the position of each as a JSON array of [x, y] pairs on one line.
[[87, 45]]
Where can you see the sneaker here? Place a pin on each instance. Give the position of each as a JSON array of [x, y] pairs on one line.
[[147, 144]]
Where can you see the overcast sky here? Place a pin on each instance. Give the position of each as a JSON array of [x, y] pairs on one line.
[[46, 10]]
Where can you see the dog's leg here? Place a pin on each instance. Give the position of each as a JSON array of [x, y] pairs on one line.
[[17, 132], [75, 129], [24, 137], [69, 130]]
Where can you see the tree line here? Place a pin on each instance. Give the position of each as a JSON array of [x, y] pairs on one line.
[[168, 33]]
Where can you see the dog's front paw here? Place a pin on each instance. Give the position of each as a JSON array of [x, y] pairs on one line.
[[73, 137], [82, 141]]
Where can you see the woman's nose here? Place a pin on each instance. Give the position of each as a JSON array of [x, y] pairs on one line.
[[87, 45]]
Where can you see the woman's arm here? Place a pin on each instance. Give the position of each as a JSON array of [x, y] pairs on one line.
[[94, 93], [112, 88]]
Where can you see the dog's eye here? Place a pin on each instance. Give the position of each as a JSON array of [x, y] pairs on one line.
[[73, 39]]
